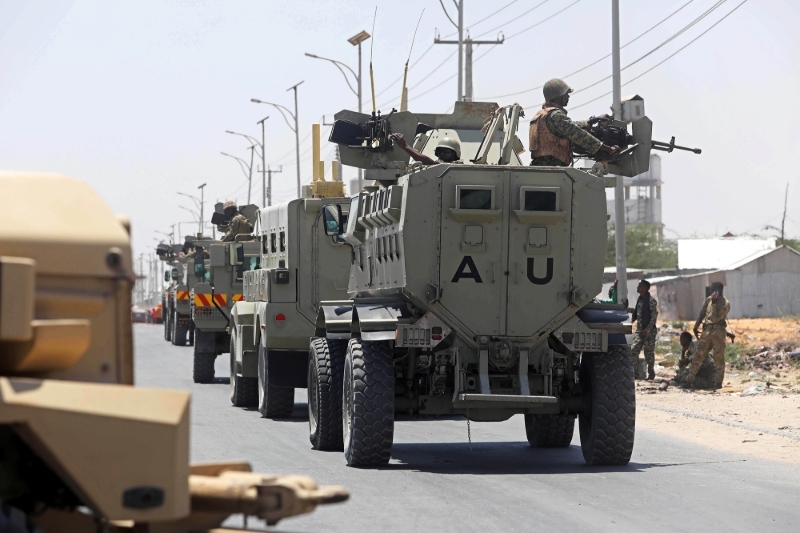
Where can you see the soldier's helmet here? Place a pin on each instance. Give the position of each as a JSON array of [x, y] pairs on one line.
[[228, 204], [451, 144], [555, 88]]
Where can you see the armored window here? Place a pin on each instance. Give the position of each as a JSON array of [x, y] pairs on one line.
[[283, 241], [272, 242], [539, 198], [474, 197]]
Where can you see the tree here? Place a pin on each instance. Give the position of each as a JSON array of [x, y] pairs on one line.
[[645, 248]]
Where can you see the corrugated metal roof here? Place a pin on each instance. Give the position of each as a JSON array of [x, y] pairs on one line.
[[719, 253]]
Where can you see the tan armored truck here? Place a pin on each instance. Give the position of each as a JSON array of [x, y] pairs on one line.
[[299, 266], [172, 276], [472, 290], [220, 286], [81, 450]]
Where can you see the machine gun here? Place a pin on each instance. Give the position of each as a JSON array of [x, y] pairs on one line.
[[372, 134], [615, 133]]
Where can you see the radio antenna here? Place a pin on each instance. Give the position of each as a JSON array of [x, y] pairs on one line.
[[371, 74], [403, 93]]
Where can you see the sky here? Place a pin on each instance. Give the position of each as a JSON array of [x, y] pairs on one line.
[[135, 97]]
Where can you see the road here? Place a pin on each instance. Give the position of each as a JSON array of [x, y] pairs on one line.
[[437, 482]]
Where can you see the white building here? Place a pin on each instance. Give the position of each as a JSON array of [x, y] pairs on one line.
[[709, 254]]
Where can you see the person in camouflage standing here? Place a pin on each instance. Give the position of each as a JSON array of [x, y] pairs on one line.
[[552, 132], [713, 317], [238, 225], [645, 314]]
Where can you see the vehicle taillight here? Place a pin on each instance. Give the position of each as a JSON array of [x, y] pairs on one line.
[[436, 333], [280, 317]]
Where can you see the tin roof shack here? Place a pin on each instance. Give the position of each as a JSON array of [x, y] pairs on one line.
[[766, 284], [711, 254]]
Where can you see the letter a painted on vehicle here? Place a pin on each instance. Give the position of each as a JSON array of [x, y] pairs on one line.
[[467, 269], [548, 275]]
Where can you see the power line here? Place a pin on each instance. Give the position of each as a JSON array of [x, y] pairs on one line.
[[542, 21], [668, 57], [514, 19], [599, 60], [492, 14]]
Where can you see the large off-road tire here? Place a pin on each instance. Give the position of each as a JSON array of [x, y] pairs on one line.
[[549, 431], [244, 391], [368, 403], [273, 402], [203, 362], [191, 332], [325, 374], [607, 424], [179, 331], [168, 326]]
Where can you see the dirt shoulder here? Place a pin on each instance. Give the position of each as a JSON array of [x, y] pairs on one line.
[[756, 413]]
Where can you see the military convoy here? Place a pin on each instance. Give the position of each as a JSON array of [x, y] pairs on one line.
[[77, 440]]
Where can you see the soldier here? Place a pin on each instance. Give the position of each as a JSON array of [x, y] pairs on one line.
[[552, 132], [645, 314], [238, 225], [198, 250], [713, 317], [448, 150], [706, 377]]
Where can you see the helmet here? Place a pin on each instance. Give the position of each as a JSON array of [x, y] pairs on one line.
[[450, 143], [555, 88], [227, 204]]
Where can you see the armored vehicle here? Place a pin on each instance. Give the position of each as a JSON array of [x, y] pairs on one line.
[[219, 287], [471, 290], [80, 449], [169, 253], [299, 266]]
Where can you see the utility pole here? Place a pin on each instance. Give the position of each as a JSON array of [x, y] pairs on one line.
[[468, 94], [263, 166], [269, 173], [202, 199], [783, 220], [250, 175], [619, 194], [460, 42]]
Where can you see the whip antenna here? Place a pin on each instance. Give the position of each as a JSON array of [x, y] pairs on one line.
[[403, 92], [371, 74]]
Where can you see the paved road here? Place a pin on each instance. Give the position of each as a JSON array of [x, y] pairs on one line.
[[435, 482]]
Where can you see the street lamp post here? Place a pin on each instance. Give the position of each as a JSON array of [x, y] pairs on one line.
[[248, 173], [296, 128], [356, 40], [266, 197], [202, 197], [253, 144], [198, 202]]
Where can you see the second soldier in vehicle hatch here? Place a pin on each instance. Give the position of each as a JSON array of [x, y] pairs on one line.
[[552, 132], [448, 150]]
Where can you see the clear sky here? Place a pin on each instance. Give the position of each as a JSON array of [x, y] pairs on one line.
[[134, 97]]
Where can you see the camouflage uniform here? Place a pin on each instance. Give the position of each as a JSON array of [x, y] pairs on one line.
[[648, 342], [713, 317], [706, 377], [237, 226], [564, 127]]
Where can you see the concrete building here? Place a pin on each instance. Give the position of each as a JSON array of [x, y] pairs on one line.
[[766, 284]]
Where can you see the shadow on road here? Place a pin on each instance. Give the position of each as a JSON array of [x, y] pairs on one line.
[[497, 458], [300, 413]]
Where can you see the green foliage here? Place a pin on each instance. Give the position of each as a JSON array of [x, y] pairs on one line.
[[735, 353], [645, 248], [791, 243]]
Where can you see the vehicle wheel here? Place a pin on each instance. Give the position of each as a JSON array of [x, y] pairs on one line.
[[191, 333], [607, 424], [325, 372], [203, 363], [244, 391], [545, 431], [273, 402], [179, 332], [168, 327], [368, 403]]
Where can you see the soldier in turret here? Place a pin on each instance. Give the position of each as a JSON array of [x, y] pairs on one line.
[[238, 225], [448, 150], [552, 132]]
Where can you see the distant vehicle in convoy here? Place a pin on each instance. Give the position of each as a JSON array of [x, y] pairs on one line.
[[139, 315], [471, 291], [81, 450]]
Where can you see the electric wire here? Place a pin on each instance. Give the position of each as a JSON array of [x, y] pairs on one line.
[[666, 58], [537, 6], [597, 61]]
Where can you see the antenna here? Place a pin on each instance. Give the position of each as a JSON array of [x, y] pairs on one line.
[[371, 74], [403, 94]]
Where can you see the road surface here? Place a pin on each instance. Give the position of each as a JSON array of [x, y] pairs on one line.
[[437, 482]]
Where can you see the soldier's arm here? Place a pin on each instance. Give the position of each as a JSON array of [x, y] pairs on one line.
[[233, 226], [701, 316], [562, 126]]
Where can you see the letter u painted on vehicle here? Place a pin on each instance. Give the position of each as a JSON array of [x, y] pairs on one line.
[[547, 277]]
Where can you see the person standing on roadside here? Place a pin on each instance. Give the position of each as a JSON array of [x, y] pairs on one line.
[[645, 314], [713, 317]]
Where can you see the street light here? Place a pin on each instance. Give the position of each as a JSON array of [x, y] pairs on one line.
[[355, 40], [295, 129], [249, 172], [198, 202], [261, 145]]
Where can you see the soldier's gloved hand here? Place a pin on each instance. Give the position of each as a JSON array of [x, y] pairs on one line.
[[594, 120], [610, 150]]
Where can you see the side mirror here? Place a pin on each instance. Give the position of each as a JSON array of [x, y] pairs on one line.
[[166, 275], [174, 274], [332, 217], [218, 219], [199, 266]]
